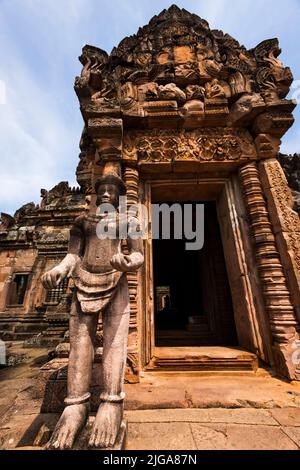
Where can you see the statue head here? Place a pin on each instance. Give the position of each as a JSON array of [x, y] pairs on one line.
[[108, 189]]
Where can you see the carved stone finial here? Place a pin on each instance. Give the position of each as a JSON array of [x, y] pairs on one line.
[[6, 222], [148, 76]]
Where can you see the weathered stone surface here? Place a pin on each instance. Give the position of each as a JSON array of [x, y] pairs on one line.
[[212, 358], [202, 146], [211, 392], [177, 102], [151, 397], [271, 267], [291, 167], [37, 239], [22, 422], [160, 436], [82, 441], [293, 434], [212, 415], [196, 63], [287, 416], [205, 391], [209, 437], [238, 437], [246, 108]]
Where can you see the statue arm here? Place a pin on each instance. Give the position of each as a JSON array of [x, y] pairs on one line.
[[55, 276], [136, 252], [135, 258]]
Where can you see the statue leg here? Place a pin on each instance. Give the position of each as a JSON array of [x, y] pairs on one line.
[[115, 337], [82, 333]]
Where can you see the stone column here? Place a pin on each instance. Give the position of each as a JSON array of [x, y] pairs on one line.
[[5, 292], [131, 178], [285, 223], [283, 323]]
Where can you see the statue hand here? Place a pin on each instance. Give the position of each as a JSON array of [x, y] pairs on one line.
[[121, 262], [125, 263], [52, 278]]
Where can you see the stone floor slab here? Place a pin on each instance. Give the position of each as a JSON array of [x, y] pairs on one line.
[[243, 393], [160, 436], [293, 433], [240, 437], [194, 391], [217, 415], [287, 416], [147, 397]]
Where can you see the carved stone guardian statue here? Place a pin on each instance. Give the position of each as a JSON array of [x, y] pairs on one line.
[[98, 268]]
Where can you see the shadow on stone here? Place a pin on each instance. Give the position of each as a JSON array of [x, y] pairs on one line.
[[39, 432], [41, 429]]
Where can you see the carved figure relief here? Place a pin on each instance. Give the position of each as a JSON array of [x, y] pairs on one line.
[[177, 58], [209, 145]]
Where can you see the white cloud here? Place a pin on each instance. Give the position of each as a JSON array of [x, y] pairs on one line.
[[40, 126]]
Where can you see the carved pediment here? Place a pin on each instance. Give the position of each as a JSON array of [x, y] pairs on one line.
[[179, 48], [177, 73]]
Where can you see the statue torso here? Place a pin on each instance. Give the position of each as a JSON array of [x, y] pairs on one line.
[[98, 251]]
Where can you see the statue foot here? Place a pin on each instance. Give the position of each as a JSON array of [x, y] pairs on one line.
[[107, 424], [71, 422]]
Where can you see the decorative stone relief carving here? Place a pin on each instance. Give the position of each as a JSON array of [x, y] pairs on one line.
[[286, 222], [283, 323], [213, 145], [177, 58]]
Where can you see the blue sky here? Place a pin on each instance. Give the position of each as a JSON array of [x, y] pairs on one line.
[[40, 41]]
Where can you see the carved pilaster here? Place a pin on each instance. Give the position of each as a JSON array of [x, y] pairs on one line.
[[131, 179], [283, 323], [5, 292], [285, 222]]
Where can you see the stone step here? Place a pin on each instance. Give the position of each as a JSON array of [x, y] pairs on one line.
[[11, 336], [17, 316], [206, 358]]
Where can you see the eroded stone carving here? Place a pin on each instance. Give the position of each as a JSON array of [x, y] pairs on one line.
[[291, 168], [176, 67], [6, 222], [283, 321], [272, 76], [98, 269], [214, 89], [285, 221], [207, 145], [175, 59], [25, 211], [93, 82], [171, 92]]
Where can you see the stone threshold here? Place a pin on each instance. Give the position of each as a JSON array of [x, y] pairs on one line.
[[205, 358]]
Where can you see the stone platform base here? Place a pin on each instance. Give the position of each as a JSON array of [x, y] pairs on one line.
[[52, 381], [82, 441], [39, 433], [51, 385], [204, 358]]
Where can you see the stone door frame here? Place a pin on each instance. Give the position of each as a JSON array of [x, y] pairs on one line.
[[249, 311]]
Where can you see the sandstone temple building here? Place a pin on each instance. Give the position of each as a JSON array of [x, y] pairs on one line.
[[185, 114]]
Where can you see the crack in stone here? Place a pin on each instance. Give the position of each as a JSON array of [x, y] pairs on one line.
[[192, 434], [212, 429], [289, 437], [188, 399], [253, 404]]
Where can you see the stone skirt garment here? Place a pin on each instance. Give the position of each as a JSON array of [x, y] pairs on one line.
[[94, 290]]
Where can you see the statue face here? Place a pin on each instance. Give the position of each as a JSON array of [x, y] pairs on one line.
[[108, 194]]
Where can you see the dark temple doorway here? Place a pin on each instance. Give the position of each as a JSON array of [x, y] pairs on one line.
[[193, 305]]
